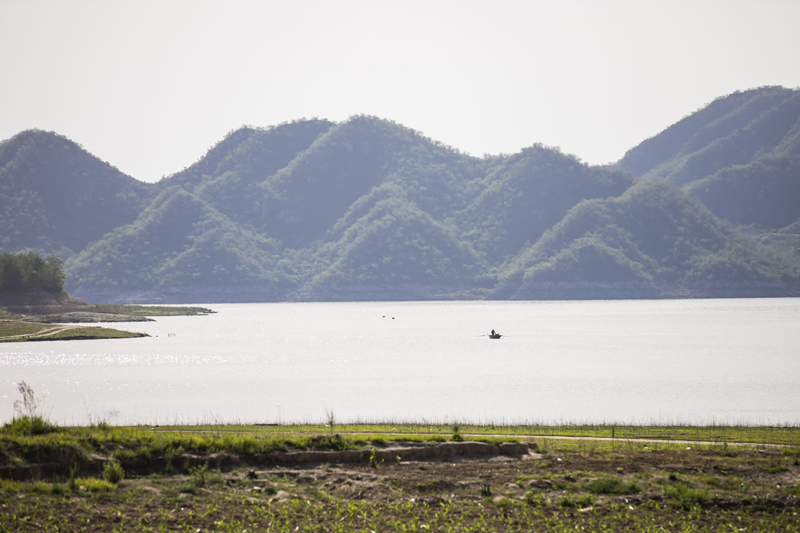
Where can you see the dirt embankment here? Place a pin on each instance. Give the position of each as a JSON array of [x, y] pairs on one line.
[[93, 464]]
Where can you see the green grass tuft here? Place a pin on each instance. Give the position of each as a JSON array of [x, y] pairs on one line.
[[612, 485], [29, 425]]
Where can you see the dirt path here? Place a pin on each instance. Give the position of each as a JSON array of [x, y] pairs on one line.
[[45, 332]]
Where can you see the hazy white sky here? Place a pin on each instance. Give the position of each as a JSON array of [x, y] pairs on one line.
[[149, 86]]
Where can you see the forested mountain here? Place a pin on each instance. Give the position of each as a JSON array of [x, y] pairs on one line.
[[527, 193], [740, 156], [654, 232], [229, 176], [369, 209], [57, 198]]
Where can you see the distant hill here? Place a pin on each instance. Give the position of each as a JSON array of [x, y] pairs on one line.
[[739, 155], [527, 193], [653, 232], [306, 198], [179, 242], [229, 176], [367, 209], [55, 197]]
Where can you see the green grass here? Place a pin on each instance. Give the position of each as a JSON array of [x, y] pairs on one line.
[[612, 485], [152, 310], [623, 435], [93, 332], [129, 442], [11, 328], [685, 496], [9, 332], [29, 425]]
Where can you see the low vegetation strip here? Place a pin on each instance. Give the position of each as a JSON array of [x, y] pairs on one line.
[[678, 433], [17, 331], [152, 310], [16, 328], [145, 479]]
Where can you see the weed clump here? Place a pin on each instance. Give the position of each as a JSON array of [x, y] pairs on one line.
[[335, 443], [29, 425], [612, 485], [113, 472], [27, 420], [198, 476], [91, 484], [535, 499], [774, 467], [373, 461], [684, 496]]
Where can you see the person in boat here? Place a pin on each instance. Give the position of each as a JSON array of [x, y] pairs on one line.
[[493, 333]]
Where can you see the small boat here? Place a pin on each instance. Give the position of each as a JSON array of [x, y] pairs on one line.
[[494, 335]]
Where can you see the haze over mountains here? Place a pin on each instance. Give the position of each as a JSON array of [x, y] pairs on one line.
[[369, 209]]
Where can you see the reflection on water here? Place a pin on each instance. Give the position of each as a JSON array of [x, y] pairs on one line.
[[689, 361]]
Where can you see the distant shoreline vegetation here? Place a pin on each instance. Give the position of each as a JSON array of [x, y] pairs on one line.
[[35, 307], [28, 272]]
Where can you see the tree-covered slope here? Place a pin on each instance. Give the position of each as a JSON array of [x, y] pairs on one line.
[[529, 192], [306, 198], [228, 177], [739, 155], [385, 239], [653, 232], [728, 131], [57, 197], [764, 193], [179, 240]]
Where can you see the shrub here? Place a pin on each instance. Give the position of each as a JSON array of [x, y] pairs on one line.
[[198, 476], [113, 471], [684, 496], [29, 425]]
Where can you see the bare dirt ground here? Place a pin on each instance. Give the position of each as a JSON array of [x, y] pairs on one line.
[[645, 490]]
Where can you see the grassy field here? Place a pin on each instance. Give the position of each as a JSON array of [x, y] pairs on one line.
[[789, 435], [16, 331], [13, 327], [221, 478], [93, 332]]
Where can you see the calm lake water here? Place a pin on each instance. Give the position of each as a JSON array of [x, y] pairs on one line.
[[662, 361]]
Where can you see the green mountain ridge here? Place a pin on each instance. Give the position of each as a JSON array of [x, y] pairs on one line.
[[178, 240], [654, 231], [370, 209], [739, 155], [57, 198]]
